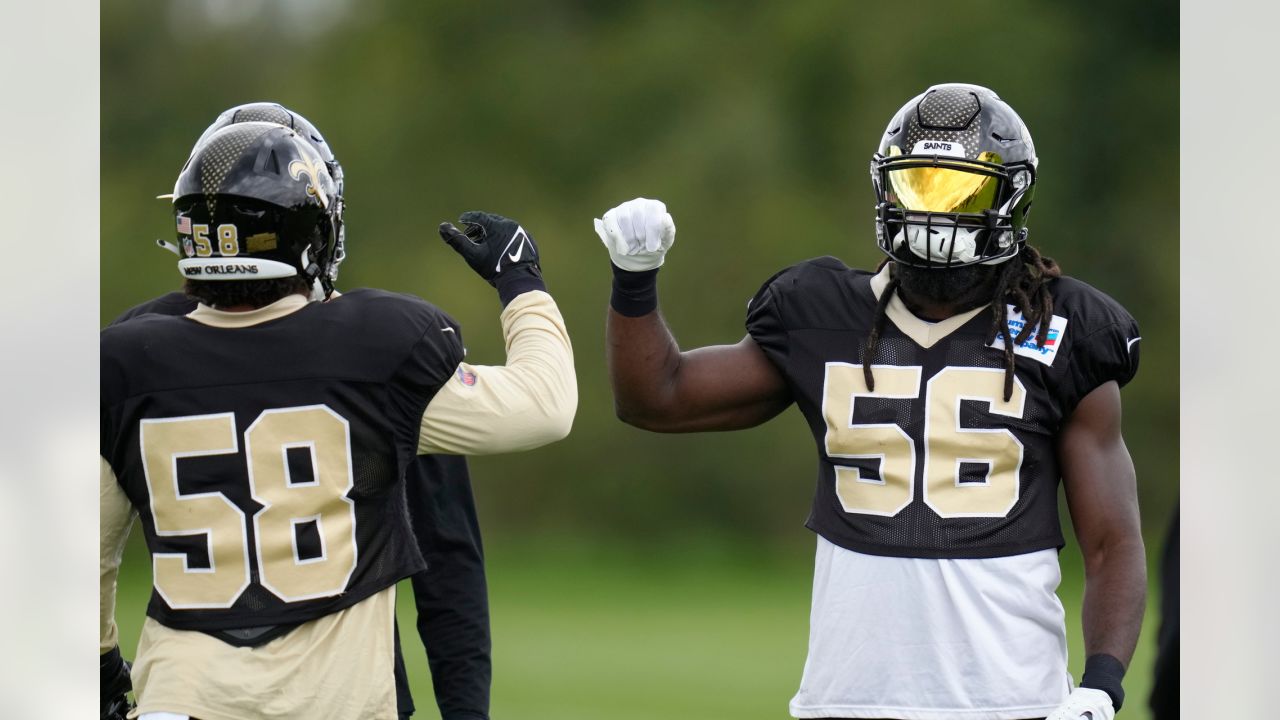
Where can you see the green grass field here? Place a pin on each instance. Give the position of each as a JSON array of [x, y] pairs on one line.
[[588, 631]]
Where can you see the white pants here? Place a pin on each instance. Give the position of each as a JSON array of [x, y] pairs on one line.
[[923, 639]]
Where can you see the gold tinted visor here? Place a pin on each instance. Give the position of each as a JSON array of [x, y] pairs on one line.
[[949, 188], [942, 189]]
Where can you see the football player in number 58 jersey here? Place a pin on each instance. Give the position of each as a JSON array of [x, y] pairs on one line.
[[947, 392], [263, 439], [451, 595]]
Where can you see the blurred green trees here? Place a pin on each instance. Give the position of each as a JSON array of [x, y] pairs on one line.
[[754, 121]]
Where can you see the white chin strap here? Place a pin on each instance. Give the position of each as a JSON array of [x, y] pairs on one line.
[[233, 268]]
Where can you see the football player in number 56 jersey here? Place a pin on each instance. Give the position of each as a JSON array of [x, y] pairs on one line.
[[263, 439], [947, 393]]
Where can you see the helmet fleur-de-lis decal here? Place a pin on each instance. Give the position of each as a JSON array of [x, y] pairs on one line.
[[312, 168]]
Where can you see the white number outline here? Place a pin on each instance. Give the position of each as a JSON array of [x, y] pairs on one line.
[[234, 448], [207, 532], [228, 235], [200, 237], [922, 471], [289, 485], [1020, 395], [293, 537], [853, 401]]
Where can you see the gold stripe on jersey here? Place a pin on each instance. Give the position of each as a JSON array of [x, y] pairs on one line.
[[925, 334], [337, 666], [115, 517], [527, 403], [227, 319]]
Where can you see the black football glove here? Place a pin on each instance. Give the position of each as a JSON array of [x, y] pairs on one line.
[[499, 250], [114, 683]]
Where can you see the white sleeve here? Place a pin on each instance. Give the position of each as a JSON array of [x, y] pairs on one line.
[[115, 516], [527, 403]]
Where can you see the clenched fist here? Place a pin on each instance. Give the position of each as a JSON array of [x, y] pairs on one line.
[[638, 233]]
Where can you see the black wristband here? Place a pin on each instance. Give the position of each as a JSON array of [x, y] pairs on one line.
[[634, 293], [1104, 672], [518, 280]]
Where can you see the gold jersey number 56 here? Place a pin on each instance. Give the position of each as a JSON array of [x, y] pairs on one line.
[[946, 445]]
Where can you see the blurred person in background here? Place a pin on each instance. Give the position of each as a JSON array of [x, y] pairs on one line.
[[947, 392], [451, 594], [262, 439]]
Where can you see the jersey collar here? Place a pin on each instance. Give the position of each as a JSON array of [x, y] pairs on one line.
[[925, 334], [213, 317]]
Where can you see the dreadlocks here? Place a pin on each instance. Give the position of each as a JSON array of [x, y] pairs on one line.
[[1022, 281]]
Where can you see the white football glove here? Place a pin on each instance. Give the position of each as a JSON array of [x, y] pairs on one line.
[[638, 233], [1085, 704]]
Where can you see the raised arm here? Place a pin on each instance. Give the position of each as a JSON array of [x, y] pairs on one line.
[[1101, 489], [531, 400], [655, 385]]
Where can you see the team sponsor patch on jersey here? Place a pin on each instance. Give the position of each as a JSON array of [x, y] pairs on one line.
[[1030, 348], [938, 147]]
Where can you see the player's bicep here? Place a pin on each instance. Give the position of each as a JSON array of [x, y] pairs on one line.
[[726, 387], [1097, 471], [488, 409]]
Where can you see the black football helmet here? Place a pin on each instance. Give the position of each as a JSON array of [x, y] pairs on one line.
[[954, 177], [256, 201], [281, 115]]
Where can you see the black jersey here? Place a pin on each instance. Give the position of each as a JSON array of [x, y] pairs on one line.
[[173, 303], [266, 462], [451, 594], [934, 463]]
